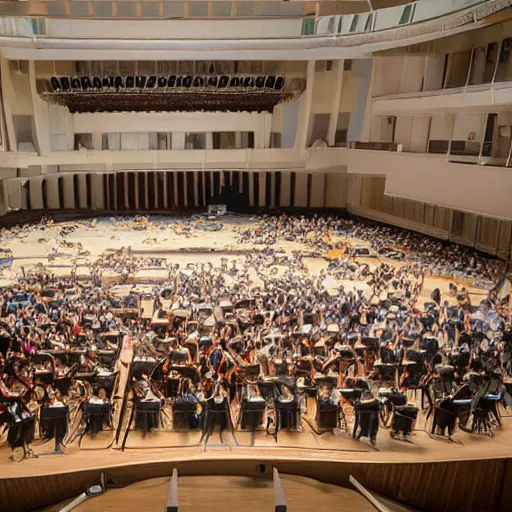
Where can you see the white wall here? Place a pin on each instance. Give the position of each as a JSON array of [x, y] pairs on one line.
[[434, 73], [441, 127], [412, 73], [431, 179], [419, 134], [177, 123], [403, 130], [175, 29], [469, 123], [388, 75]]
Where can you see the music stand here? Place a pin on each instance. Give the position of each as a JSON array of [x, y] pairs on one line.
[[55, 418]]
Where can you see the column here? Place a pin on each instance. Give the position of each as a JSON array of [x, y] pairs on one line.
[[97, 191], [305, 108], [336, 102], [8, 100], [317, 190], [284, 200], [69, 193], [41, 119], [301, 189]]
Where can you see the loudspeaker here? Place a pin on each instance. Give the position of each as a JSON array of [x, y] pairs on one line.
[[151, 82], [119, 82], [198, 81], [213, 81], [270, 82], [246, 81], [64, 82], [223, 81], [187, 81], [130, 82], [279, 83], [260, 82], [172, 81], [234, 82], [86, 83], [179, 81], [75, 83], [108, 82], [96, 82], [55, 84], [140, 82], [162, 81]]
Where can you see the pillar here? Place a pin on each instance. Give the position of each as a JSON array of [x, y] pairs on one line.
[[336, 102], [305, 108], [8, 99], [286, 179], [41, 118], [301, 189]]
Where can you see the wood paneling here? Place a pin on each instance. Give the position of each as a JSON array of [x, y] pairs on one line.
[[480, 485]]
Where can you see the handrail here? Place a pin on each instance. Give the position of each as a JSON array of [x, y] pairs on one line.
[[39, 23]]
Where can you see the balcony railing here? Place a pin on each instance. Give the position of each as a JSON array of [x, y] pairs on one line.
[[375, 146], [33, 18]]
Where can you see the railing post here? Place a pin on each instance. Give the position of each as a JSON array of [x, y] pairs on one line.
[[279, 497], [172, 493]]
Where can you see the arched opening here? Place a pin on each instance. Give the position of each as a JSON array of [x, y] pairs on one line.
[[141, 178], [160, 189], [207, 186], [76, 191], [151, 191], [112, 191], [170, 189], [27, 195], [88, 187], [106, 197], [277, 189], [60, 184], [256, 189], [200, 189], [190, 189], [181, 190], [44, 192], [268, 189], [120, 190], [131, 191]]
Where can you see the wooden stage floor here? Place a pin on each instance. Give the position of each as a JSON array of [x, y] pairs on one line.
[[475, 472], [305, 445]]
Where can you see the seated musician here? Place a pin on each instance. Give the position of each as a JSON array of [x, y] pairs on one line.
[[144, 389]]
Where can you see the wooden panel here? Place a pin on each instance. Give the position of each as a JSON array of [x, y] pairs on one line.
[[480, 485]]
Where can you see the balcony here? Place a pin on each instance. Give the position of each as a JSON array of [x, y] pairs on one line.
[[458, 99], [86, 27]]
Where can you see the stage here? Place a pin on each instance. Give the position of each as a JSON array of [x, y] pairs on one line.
[[473, 473]]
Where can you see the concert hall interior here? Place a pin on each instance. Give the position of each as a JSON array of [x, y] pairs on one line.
[[258, 252]]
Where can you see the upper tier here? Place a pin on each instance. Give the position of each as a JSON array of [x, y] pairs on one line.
[[299, 30]]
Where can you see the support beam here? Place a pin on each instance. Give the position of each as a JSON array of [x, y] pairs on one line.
[[172, 493], [279, 496], [336, 102], [376, 503]]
